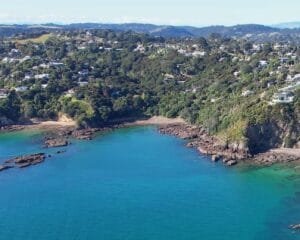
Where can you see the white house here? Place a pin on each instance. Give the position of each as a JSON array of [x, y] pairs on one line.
[[56, 64], [70, 93], [28, 76], [44, 86], [84, 72], [198, 54], [21, 89], [283, 97], [41, 76], [3, 93], [26, 58], [263, 63], [82, 84], [247, 93]]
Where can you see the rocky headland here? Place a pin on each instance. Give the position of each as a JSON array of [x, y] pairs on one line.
[[230, 154]]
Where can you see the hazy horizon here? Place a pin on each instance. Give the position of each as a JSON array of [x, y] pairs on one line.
[[192, 12]]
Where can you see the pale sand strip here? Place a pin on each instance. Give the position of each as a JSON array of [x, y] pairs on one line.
[[287, 151], [157, 120]]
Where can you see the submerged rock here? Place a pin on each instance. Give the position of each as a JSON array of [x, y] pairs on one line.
[[295, 226], [5, 167], [60, 151]]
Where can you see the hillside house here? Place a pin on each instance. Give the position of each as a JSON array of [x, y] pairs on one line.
[[84, 72], [42, 76], [3, 93], [247, 93], [21, 89], [263, 63], [83, 83], [283, 97]]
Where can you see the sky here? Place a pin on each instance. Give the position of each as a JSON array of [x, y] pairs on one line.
[[184, 12]]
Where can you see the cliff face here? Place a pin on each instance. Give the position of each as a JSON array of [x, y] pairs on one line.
[[272, 134]]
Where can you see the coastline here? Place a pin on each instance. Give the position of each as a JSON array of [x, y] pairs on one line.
[[157, 120], [67, 123], [59, 131]]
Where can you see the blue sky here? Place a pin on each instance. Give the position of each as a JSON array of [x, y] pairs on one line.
[[185, 12]]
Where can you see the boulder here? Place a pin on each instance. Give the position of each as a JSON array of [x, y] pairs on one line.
[[231, 162], [215, 158], [295, 226]]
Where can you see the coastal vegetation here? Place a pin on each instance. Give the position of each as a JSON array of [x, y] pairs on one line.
[[99, 77]]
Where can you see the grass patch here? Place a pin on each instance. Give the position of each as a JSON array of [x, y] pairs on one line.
[[41, 39]]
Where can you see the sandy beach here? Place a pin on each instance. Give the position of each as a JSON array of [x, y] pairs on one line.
[[157, 120], [287, 151]]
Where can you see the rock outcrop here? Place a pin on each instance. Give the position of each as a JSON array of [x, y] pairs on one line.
[[26, 160], [295, 226], [5, 167], [207, 144], [56, 142], [258, 153], [84, 134]]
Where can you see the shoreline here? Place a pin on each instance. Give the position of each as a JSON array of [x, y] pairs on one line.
[[196, 136], [53, 125], [156, 120], [230, 154]]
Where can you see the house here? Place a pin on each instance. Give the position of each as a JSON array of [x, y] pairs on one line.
[[168, 77], [56, 64], [14, 53], [283, 97], [28, 76], [44, 86], [296, 77], [139, 48], [83, 72], [284, 60], [247, 93], [70, 93], [3, 93], [82, 84], [21, 89], [44, 65], [26, 58], [237, 73], [271, 83], [9, 60], [41, 76], [263, 63], [198, 54]]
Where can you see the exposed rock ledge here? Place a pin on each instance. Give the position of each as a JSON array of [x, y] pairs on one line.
[[231, 154], [24, 161], [56, 142]]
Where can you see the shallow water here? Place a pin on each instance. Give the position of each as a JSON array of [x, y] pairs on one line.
[[136, 184]]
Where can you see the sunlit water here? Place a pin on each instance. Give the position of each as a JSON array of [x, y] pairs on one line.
[[135, 184]]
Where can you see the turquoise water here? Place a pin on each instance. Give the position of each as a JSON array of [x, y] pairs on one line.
[[134, 184]]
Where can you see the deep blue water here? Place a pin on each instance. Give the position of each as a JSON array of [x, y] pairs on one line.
[[135, 184]]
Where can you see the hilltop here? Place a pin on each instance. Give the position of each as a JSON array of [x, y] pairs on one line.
[[248, 31]]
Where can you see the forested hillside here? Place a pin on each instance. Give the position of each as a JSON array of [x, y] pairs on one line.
[[238, 90]]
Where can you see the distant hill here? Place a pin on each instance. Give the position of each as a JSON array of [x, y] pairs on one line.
[[253, 32], [289, 25]]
